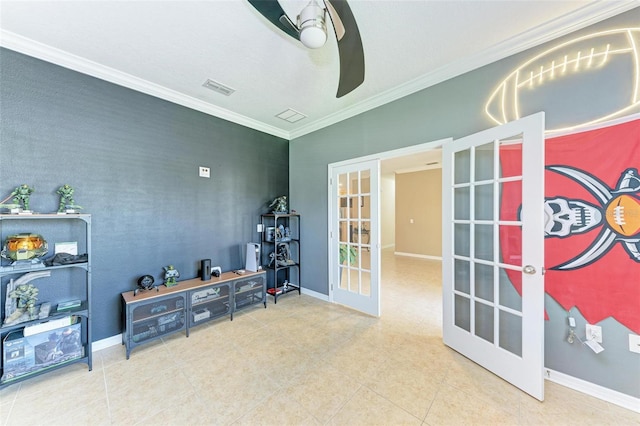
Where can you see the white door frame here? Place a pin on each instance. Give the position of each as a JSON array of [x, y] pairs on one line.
[[414, 149]]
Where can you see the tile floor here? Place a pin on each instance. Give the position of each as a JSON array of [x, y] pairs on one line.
[[302, 362]]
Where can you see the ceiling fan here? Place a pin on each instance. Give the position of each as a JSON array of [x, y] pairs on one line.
[[311, 30]]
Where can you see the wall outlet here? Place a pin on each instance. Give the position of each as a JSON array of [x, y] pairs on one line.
[[594, 332], [204, 172], [634, 343], [260, 228]]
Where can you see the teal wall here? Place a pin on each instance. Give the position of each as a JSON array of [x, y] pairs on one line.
[[455, 108]]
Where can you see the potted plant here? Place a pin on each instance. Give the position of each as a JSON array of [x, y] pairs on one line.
[[348, 252]]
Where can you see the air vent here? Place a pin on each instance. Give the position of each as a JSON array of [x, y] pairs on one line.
[[218, 87], [291, 115]]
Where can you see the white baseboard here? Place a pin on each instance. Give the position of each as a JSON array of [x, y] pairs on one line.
[[388, 246], [421, 256], [106, 343], [597, 391], [315, 294]]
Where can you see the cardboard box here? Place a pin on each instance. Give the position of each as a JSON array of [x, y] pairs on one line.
[[31, 354]]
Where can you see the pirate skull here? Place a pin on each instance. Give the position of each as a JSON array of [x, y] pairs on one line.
[[564, 217]]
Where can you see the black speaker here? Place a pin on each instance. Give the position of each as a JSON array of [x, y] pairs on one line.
[[205, 269]]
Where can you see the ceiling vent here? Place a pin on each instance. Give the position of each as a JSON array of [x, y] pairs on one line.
[[218, 87], [291, 115]]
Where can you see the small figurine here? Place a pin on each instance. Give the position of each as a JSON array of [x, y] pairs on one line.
[[20, 198], [66, 199], [279, 205], [26, 296], [170, 275]]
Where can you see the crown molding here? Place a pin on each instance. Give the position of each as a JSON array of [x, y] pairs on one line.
[[588, 15], [64, 59]]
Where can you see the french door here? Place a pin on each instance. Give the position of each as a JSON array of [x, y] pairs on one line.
[[493, 252], [354, 249]]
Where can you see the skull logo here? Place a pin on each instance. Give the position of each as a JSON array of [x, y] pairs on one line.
[[564, 217]]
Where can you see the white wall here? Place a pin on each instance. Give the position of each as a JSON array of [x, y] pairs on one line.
[[388, 211]]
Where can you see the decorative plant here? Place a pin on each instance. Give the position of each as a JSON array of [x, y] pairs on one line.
[[348, 252]]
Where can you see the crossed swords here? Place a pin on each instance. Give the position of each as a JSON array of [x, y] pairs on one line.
[[628, 182]]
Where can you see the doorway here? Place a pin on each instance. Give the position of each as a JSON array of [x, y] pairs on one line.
[[482, 324], [360, 211]]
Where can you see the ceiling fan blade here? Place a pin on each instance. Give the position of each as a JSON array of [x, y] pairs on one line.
[[272, 10], [350, 47]]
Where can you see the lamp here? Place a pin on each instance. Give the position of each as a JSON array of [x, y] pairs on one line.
[[313, 30]]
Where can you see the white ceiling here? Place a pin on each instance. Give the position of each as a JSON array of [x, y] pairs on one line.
[[169, 48]]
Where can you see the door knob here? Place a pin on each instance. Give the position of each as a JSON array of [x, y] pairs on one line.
[[529, 269]]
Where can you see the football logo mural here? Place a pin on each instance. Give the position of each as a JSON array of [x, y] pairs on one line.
[[539, 83], [592, 221]]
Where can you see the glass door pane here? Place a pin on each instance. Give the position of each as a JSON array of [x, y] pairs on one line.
[[490, 316], [354, 242]]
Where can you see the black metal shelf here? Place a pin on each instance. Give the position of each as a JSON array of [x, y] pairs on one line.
[[77, 226], [278, 274]]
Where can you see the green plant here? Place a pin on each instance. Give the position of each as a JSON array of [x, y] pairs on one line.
[[348, 252]]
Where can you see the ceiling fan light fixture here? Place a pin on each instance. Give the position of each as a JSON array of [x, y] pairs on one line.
[[312, 24]]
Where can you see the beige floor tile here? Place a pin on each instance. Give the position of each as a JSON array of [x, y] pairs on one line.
[[80, 400], [368, 408], [58, 378], [621, 416], [467, 377], [452, 406], [6, 405], [188, 409], [9, 393], [302, 361], [407, 386], [278, 409], [140, 387], [110, 355], [322, 391], [566, 405]]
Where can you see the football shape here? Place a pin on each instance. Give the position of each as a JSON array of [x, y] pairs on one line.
[[623, 215], [573, 74]]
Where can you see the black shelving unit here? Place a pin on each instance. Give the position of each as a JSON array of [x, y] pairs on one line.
[[20, 359], [153, 314], [281, 253]]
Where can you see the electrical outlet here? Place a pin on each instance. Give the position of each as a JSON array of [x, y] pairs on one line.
[[594, 332], [634, 343], [260, 228], [204, 172]]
